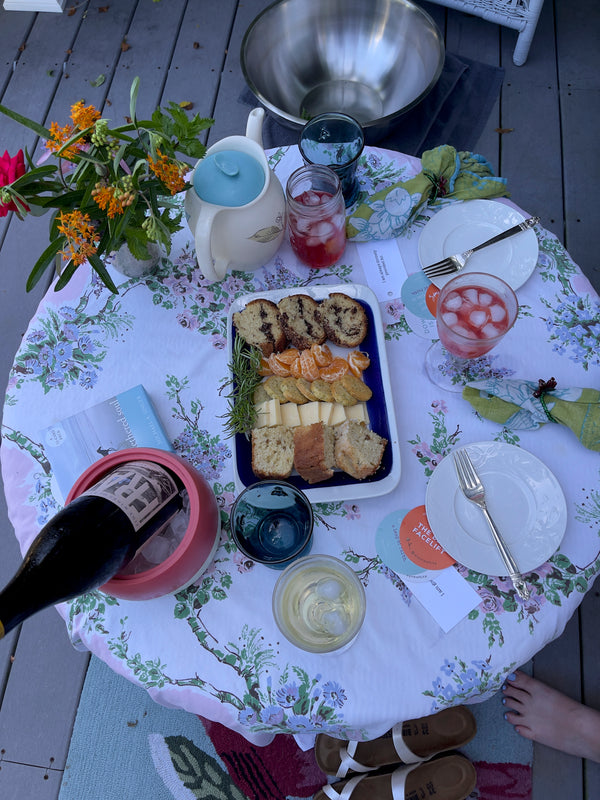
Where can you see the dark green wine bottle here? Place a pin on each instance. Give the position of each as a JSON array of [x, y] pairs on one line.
[[91, 539]]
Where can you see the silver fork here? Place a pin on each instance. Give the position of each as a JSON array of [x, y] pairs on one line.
[[456, 262], [472, 488]]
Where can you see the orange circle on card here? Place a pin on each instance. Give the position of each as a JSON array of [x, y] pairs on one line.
[[419, 543], [431, 298]]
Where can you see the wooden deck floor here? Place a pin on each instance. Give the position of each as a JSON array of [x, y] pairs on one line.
[[549, 109]]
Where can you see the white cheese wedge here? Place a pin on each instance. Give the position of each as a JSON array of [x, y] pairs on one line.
[[274, 412], [262, 416], [325, 410], [309, 413], [290, 415], [338, 414], [268, 414], [358, 412]]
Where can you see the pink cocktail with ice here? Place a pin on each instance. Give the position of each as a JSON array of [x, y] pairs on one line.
[[316, 216], [474, 311]]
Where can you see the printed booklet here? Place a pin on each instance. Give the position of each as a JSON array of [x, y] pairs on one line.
[[125, 420]]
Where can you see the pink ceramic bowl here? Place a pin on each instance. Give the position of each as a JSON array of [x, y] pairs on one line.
[[197, 548]]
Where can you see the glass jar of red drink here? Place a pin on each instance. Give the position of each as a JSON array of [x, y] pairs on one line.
[[316, 215]]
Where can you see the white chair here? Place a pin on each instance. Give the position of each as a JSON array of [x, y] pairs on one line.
[[521, 15]]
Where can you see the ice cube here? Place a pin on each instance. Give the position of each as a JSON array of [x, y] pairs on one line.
[[301, 224], [485, 298], [329, 589], [450, 318], [490, 331], [461, 330], [497, 313], [453, 302], [323, 230], [471, 295], [159, 548], [335, 622], [478, 317], [310, 198]]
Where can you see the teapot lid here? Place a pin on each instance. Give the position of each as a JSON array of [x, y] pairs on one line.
[[229, 178]]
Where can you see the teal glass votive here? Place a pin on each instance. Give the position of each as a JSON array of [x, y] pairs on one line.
[[272, 523], [335, 140]]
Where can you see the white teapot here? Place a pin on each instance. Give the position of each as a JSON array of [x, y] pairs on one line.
[[235, 206]]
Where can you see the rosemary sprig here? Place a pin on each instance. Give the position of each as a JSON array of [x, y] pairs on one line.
[[244, 366]]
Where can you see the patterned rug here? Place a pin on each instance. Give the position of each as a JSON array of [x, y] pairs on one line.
[[125, 747]]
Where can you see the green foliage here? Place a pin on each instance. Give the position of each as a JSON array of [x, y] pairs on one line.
[[111, 186]]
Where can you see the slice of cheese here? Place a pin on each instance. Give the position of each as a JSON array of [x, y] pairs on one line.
[[290, 415], [358, 412], [338, 414], [268, 414], [309, 413], [325, 410]]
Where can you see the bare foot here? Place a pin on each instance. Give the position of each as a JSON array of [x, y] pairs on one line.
[[551, 718]]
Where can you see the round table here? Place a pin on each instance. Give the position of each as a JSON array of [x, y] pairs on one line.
[[214, 649]]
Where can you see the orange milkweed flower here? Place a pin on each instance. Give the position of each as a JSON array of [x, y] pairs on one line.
[[81, 236], [109, 199], [168, 171], [83, 116], [58, 137]]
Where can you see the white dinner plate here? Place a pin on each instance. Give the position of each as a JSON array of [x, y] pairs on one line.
[[460, 226], [523, 497], [380, 407]]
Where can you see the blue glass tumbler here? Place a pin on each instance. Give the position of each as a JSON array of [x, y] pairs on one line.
[[335, 140], [272, 523]]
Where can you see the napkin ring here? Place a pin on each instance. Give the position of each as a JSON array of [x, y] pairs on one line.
[[544, 387], [439, 184]]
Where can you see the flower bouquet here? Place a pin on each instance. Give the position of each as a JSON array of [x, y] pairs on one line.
[[111, 186]]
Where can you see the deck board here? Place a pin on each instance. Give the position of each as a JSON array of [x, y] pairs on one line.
[[551, 162]]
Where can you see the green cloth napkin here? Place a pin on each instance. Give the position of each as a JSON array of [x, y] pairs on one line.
[[445, 173], [514, 403]]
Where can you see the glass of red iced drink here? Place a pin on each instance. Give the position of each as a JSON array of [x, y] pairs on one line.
[[316, 215], [474, 311]]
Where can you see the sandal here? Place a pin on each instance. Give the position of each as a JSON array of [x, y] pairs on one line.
[[408, 742], [446, 778]]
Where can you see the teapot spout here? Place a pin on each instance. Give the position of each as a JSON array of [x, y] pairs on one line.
[[254, 125]]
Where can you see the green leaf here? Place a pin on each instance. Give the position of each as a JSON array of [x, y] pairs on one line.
[[137, 242], [99, 81], [43, 262], [98, 265], [28, 123], [133, 95], [65, 276]]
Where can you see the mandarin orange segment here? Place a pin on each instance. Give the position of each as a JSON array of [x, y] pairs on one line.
[[296, 368], [334, 371], [289, 355], [322, 354], [264, 368], [358, 362], [308, 366], [277, 367]]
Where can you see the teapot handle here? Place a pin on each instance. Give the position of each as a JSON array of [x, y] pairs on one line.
[[213, 269], [254, 125]]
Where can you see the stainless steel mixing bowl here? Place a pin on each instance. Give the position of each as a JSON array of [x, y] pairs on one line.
[[372, 59]]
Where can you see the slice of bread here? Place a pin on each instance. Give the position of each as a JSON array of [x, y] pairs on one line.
[[358, 450], [260, 325], [344, 319], [300, 321], [272, 452], [314, 456]]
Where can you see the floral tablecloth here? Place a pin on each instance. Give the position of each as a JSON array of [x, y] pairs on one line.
[[214, 649]]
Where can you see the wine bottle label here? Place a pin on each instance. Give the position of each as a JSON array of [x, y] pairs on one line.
[[139, 488]]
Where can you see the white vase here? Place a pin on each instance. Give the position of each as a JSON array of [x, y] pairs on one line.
[[127, 264]]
